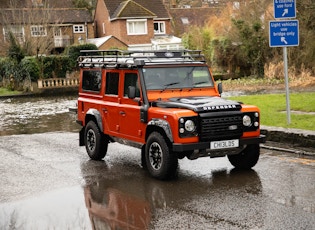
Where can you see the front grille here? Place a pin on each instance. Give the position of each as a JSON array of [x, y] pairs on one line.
[[220, 126]]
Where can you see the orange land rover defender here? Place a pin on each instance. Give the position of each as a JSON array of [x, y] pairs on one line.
[[167, 104]]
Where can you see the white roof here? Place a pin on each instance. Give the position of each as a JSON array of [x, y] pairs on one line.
[[99, 41]]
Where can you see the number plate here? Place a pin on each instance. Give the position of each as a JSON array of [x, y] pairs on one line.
[[224, 144]]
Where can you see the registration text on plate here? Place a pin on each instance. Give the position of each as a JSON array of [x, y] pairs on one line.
[[224, 144]]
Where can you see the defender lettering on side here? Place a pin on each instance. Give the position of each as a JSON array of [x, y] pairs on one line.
[[165, 103]]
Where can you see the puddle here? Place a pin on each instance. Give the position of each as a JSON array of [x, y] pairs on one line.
[[36, 115], [58, 209]]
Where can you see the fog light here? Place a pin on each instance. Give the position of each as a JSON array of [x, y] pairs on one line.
[[181, 130]]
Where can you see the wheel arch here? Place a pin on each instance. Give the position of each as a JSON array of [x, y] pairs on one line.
[[95, 115], [160, 126]]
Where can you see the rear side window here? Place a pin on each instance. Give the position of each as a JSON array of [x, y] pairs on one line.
[[91, 80], [112, 80], [131, 79]]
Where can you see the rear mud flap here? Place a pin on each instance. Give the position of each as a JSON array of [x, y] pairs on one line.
[[81, 137]]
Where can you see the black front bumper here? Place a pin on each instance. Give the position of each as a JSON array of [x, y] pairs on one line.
[[206, 145]]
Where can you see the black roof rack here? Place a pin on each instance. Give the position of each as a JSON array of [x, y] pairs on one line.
[[116, 58]]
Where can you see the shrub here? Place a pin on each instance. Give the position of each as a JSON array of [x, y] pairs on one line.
[[31, 66], [55, 66], [74, 53], [62, 65]]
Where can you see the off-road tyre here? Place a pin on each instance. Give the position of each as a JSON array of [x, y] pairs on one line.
[[96, 143], [160, 161], [247, 158]]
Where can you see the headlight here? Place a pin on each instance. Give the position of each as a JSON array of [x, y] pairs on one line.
[[190, 126], [247, 121], [187, 126]]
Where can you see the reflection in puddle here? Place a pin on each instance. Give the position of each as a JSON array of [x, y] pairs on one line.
[[118, 200], [59, 209], [117, 210], [117, 197], [36, 115]]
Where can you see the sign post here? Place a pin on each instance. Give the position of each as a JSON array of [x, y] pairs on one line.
[[283, 34]]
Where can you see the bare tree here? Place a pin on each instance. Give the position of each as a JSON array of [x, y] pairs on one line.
[[33, 27]]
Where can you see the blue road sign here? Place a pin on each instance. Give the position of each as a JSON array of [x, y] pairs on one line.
[[284, 9], [283, 33]]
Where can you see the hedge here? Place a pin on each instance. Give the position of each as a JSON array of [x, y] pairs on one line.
[[44, 66]]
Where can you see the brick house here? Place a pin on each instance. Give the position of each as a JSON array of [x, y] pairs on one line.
[[141, 24], [44, 26]]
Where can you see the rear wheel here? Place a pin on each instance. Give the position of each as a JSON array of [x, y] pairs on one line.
[[160, 161], [247, 158], [96, 142]]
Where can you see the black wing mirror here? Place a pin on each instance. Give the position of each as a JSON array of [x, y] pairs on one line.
[[220, 88]]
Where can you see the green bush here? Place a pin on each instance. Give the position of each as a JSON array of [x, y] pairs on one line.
[[55, 66], [74, 52], [47, 67], [62, 65], [8, 67], [31, 66], [2, 72], [34, 68], [12, 73]]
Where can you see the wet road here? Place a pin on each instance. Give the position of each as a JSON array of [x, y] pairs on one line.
[[48, 182]]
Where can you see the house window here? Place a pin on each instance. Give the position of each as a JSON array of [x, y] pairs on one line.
[[17, 31], [78, 29], [185, 20], [136, 27], [38, 31], [57, 32], [159, 27]]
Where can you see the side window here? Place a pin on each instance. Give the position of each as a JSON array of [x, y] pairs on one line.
[[131, 79], [112, 80], [91, 80]]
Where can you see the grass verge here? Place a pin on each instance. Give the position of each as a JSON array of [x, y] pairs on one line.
[[7, 92], [273, 109]]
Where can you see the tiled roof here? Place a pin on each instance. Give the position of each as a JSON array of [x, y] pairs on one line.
[[45, 16], [130, 8], [154, 6]]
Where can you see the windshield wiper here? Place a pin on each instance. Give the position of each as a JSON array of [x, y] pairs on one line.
[[170, 84], [200, 82], [197, 83]]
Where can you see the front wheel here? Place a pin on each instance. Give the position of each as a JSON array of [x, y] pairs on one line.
[[247, 158], [160, 161], [95, 142]]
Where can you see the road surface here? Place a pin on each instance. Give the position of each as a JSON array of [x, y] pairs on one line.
[[48, 182]]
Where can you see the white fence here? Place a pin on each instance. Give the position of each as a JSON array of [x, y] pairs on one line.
[[58, 82]]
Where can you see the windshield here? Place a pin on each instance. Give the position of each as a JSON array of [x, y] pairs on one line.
[[177, 77]]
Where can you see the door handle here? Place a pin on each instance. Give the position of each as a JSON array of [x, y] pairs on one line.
[[122, 113]]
